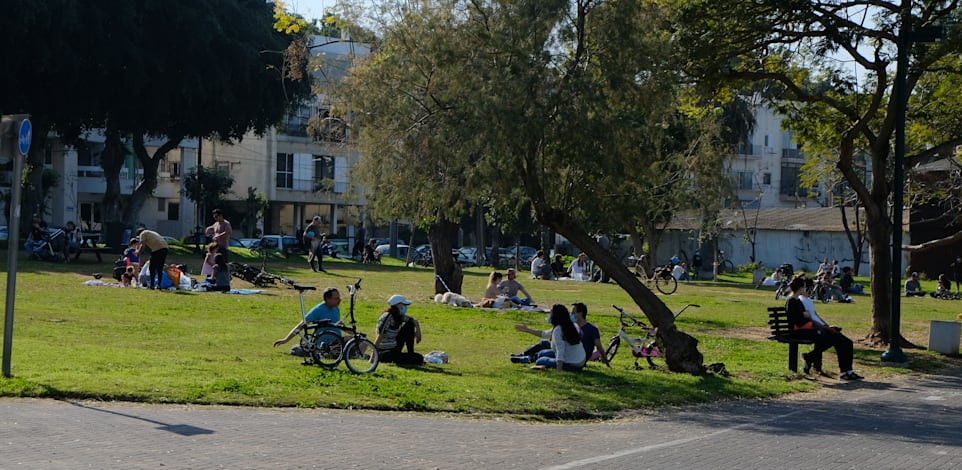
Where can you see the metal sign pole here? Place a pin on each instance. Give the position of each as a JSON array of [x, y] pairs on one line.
[[13, 240]]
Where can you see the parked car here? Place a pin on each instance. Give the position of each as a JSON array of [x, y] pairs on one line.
[[338, 248], [247, 242], [4, 232], [286, 244], [385, 250]]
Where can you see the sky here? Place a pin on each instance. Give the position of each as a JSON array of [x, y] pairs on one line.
[[309, 9]]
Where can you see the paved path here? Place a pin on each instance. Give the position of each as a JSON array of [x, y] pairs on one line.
[[913, 423]]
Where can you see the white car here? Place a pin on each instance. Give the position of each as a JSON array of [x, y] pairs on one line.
[[385, 250]]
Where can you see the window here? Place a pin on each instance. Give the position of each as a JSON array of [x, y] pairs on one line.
[[323, 170], [173, 211], [161, 204], [285, 170], [766, 178], [223, 167], [744, 179], [90, 218], [790, 184]]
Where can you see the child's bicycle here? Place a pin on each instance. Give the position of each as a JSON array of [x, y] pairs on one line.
[[643, 347], [325, 347]]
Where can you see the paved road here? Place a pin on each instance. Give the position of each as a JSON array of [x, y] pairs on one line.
[[913, 423]]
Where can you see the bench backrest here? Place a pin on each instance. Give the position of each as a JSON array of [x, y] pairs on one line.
[[778, 321]]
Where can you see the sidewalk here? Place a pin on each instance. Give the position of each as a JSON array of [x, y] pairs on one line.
[[908, 423]]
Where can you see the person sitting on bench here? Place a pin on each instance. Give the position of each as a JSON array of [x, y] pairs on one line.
[[807, 324]]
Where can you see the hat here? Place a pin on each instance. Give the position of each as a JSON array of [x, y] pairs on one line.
[[397, 299], [317, 218], [915, 274]]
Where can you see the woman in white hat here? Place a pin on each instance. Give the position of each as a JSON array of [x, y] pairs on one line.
[[397, 330]]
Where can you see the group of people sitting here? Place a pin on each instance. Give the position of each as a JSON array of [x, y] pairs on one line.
[[579, 269], [568, 345], [943, 290], [806, 323], [503, 293], [145, 265], [396, 331]]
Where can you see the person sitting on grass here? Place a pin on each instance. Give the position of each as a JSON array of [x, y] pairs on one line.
[[511, 286], [913, 288], [561, 347], [397, 330], [221, 275], [540, 267], [944, 289], [327, 311], [590, 338], [558, 267]]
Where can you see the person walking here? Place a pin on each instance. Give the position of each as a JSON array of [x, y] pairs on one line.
[[314, 239]]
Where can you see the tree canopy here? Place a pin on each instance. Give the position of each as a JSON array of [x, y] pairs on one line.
[[573, 108], [180, 68], [830, 67]]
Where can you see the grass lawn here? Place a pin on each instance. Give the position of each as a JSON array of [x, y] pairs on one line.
[[77, 341]]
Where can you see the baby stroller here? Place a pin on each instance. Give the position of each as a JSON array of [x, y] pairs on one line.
[[53, 247]]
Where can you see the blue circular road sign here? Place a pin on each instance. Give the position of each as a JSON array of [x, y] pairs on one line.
[[25, 136]]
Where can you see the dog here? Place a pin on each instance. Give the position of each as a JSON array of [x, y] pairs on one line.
[[453, 299]]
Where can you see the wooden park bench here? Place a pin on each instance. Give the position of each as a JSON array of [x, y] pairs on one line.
[[97, 250], [782, 332]]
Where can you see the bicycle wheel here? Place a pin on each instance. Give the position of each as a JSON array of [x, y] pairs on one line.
[[727, 267], [666, 285], [360, 356], [612, 348], [782, 292], [327, 349]]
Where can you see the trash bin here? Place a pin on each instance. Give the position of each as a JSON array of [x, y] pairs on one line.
[[944, 336]]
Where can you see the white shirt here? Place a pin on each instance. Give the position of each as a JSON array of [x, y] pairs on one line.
[[573, 354], [810, 306], [677, 271]]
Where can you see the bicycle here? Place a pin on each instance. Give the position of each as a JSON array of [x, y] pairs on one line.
[[724, 265], [661, 276], [643, 347], [326, 348]]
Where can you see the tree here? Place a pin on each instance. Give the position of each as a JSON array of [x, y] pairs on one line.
[[557, 104], [415, 163], [123, 68], [804, 51], [207, 187]]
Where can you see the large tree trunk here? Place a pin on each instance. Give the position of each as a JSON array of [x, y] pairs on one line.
[[31, 193], [447, 272], [680, 349], [148, 183], [112, 161]]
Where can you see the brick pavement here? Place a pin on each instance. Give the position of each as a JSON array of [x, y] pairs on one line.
[[906, 424]]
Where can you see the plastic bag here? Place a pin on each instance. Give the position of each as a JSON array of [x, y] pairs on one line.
[[436, 357]]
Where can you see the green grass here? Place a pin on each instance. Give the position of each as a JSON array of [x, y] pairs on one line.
[[76, 341]]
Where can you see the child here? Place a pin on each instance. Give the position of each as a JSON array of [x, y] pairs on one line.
[[127, 278], [221, 275], [130, 254], [208, 269]]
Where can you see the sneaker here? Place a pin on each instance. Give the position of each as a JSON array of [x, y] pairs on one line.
[[520, 359], [807, 368], [850, 375]]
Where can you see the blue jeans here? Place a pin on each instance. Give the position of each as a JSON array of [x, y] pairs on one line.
[[515, 300], [546, 359]]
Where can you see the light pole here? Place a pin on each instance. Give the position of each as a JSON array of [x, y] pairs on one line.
[[894, 356]]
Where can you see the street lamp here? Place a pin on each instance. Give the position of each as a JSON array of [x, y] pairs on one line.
[[894, 356]]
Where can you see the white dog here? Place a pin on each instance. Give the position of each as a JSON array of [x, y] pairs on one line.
[[452, 299]]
